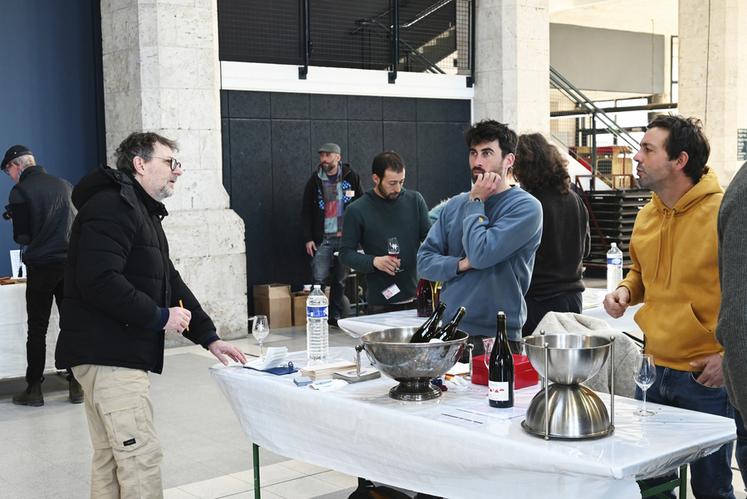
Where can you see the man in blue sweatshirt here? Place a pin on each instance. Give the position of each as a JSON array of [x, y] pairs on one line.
[[482, 245]]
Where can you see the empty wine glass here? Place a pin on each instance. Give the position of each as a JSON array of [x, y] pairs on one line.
[[488, 344], [260, 330], [392, 245], [644, 376]]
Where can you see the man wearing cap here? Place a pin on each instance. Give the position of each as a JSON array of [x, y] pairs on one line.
[[42, 214], [331, 188]]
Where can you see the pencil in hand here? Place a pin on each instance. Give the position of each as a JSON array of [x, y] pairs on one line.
[[181, 304]]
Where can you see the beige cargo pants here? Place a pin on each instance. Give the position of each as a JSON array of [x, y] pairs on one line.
[[126, 451]]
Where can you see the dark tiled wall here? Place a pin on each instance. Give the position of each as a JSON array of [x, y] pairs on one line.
[[269, 152]]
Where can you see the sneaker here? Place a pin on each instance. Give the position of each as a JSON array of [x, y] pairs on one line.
[[75, 391], [32, 396]]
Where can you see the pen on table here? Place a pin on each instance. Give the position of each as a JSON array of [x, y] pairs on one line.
[[181, 304]]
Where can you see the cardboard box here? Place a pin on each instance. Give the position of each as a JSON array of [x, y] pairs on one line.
[[274, 301], [299, 308]]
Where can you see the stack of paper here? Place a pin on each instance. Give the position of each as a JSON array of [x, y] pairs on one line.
[[322, 371], [274, 357]]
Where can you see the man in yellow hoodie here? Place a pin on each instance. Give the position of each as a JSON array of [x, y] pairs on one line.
[[674, 272]]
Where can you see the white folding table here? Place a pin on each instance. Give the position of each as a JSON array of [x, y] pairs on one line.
[[457, 446]]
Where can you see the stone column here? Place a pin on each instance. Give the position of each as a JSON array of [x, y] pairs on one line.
[[161, 74], [513, 63], [708, 74]]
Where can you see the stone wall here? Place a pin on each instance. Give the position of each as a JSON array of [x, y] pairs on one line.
[[161, 74]]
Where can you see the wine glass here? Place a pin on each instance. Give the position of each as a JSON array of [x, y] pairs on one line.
[[260, 330], [644, 376], [393, 250], [488, 344]]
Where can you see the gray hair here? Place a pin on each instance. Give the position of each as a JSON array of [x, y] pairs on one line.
[[23, 161]]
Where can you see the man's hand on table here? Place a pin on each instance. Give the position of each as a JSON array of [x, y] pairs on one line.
[[712, 375], [617, 302], [223, 350]]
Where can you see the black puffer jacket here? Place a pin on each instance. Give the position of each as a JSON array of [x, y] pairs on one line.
[[119, 280], [42, 216]]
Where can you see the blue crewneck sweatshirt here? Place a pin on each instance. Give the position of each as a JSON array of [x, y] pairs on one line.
[[500, 238]]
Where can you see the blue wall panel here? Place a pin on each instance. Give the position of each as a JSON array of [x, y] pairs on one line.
[[50, 91]]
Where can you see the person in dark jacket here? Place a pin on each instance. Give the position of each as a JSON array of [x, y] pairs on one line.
[[329, 191], [121, 293], [557, 283], [42, 214]]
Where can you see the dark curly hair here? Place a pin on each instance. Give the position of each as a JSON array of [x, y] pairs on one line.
[[685, 135], [139, 144], [540, 165], [488, 131]]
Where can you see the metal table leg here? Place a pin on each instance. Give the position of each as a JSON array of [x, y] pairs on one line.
[[255, 463]]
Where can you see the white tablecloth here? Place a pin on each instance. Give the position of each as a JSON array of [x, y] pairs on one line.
[[358, 326], [13, 332], [457, 446]]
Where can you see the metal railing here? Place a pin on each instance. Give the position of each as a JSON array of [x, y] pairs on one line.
[[386, 27], [598, 115]]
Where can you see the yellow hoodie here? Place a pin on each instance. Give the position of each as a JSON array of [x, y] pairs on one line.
[[675, 274]]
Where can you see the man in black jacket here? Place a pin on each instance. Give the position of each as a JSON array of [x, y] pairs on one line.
[[121, 293], [42, 214], [331, 188]]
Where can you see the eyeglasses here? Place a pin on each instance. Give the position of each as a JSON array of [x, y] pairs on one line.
[[173, 163]]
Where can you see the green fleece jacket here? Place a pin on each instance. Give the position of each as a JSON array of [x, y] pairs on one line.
[[369, 223]]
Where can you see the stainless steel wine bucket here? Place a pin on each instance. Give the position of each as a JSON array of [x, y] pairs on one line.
[[412, 364], [567, 409]]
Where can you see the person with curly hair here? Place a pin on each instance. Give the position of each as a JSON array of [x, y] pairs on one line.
[[556, 284]]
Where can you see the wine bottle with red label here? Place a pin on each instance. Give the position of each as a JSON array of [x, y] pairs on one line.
[[501, 374]]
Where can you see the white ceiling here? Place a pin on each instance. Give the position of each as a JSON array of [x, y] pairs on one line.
[[646, 16]]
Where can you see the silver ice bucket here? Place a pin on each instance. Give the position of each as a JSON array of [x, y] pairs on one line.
[[412, 364]]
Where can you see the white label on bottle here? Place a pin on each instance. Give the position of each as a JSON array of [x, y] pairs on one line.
[[498, 391], [390, 291]]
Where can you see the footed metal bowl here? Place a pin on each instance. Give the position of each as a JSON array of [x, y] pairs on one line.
[[572, 358], [576, 412], [412, 364]]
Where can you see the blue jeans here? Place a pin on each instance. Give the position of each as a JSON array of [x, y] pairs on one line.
[[710, 475], [323, 265]]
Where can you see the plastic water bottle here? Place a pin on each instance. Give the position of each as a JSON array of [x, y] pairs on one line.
[[614, 267], [317, 330]]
